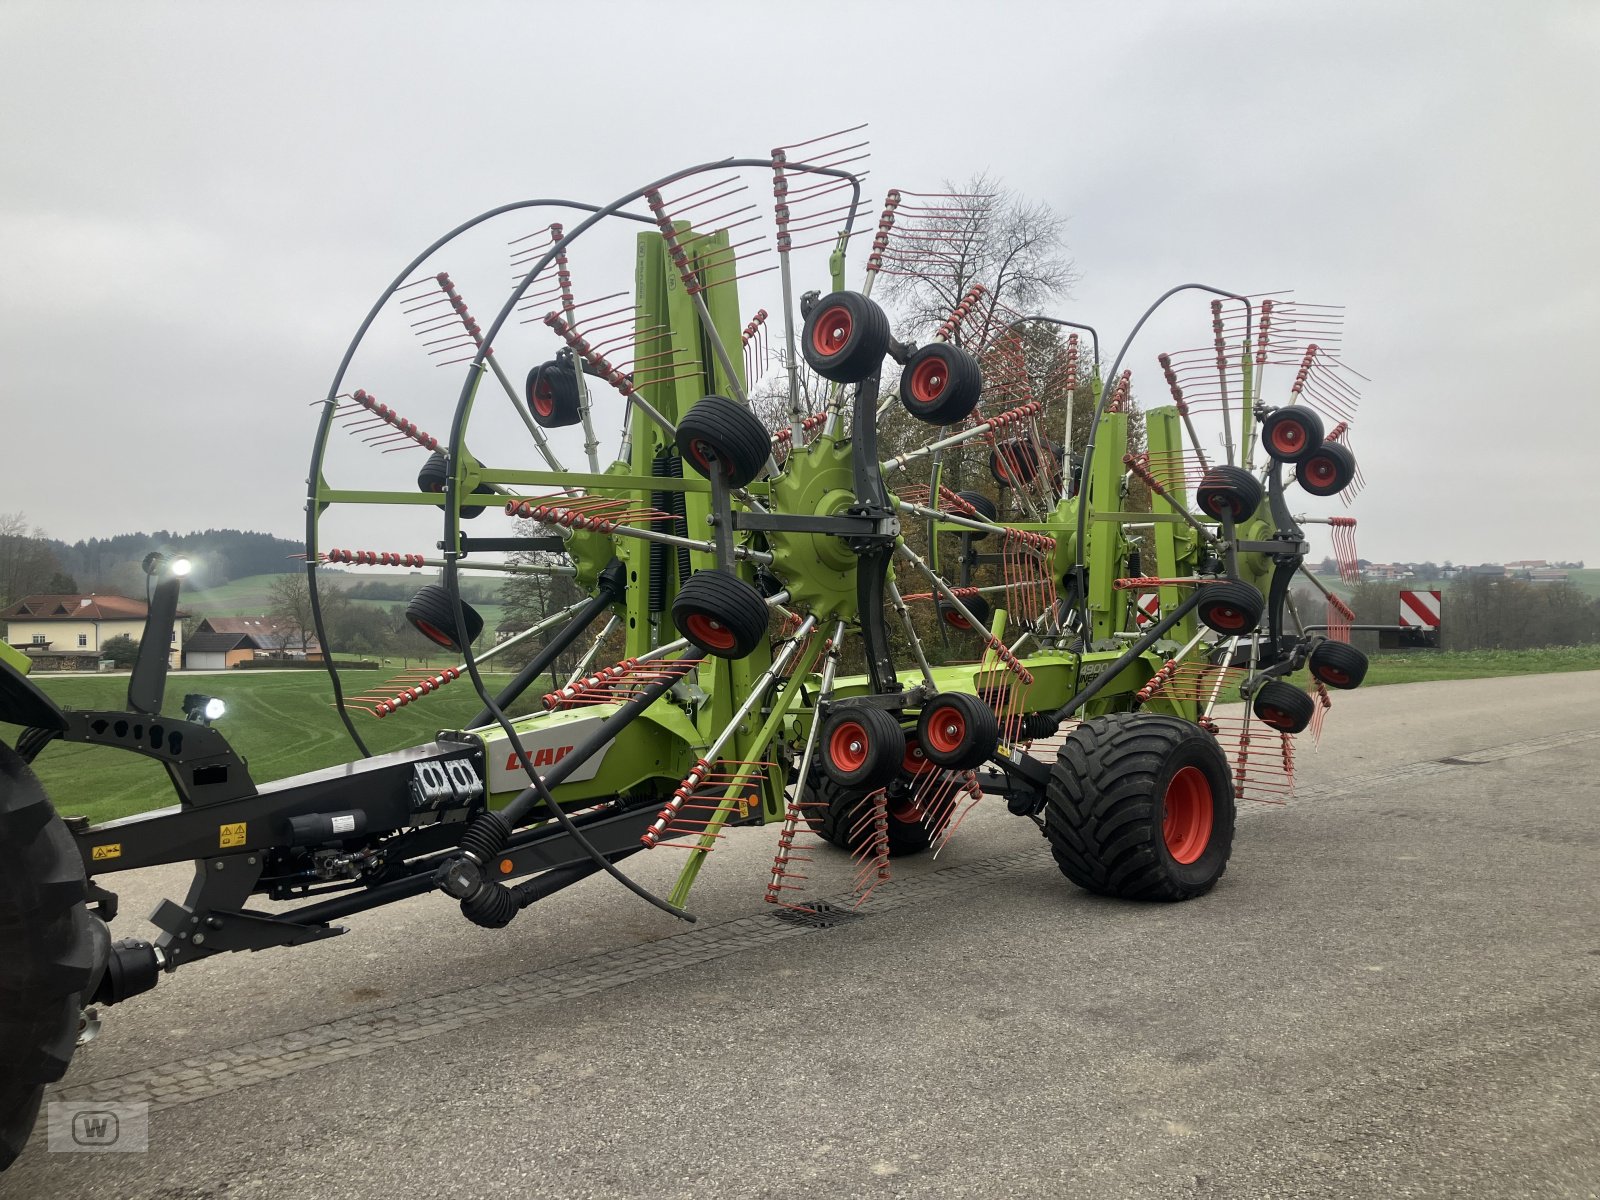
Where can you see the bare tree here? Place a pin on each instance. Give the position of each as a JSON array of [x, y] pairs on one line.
[[27, 564], [983, 232], [530, 598], [290, 609]]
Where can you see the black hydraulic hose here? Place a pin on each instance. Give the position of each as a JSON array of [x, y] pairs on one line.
[[540, 662], [547, 883], [1094, 334], [1151, 636], [1105, 399]]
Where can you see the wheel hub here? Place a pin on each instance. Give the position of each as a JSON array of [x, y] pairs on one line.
[[819, 569]]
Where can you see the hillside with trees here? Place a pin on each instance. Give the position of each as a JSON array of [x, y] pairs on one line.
[[31, 562]]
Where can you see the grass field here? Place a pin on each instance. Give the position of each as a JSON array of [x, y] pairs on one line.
[[1586, 581], [282, 723], [1420, 666]]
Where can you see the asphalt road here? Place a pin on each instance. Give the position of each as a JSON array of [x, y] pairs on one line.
[[1393, 992]]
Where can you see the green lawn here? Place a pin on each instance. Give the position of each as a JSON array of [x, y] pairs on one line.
[[1418, 666], [1586, 581], [283, 723]]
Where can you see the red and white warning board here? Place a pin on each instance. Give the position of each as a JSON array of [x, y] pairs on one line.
[[1420, 610], [1147, 609]]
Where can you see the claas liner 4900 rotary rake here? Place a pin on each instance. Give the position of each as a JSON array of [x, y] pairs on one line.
[[814, 632]]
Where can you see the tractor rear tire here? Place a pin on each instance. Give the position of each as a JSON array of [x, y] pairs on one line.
[[1140, 806], [50, 944]]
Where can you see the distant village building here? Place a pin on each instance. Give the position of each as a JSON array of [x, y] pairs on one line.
[[509, 628], [218, 651], [1383, 571], [267, 637], [68, 632]]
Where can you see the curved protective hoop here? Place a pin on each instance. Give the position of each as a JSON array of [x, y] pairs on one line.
[[324, 425]]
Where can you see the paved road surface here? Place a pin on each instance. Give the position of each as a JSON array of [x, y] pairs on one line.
[[1393, 992]]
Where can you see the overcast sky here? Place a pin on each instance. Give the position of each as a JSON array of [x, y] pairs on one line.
[[199, 202]]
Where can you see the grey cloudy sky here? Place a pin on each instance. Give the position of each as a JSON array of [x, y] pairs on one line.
[[199, 202]]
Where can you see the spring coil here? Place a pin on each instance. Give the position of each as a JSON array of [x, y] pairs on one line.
[[680, 519], [661, 502]]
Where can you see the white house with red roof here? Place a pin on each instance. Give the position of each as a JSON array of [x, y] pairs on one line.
[[68, 632]]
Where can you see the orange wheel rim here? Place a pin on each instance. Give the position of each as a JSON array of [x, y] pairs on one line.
[[1320, 471], [1225, 616], [1276, 717], [709, 632], [1288, 436], [433, 633], [832, 331], [1186, 826], [848, 747], [928, 380], [947, 730], [915, 760], [906, 811], [544, 398], [704, 455]]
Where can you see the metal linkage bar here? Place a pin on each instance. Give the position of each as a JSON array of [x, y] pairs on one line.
[[911, 633], [387, 705], [994, 424], [390, 559], [556, 515], [1151, 636], [612, 587], [939, 514], [994, 644], [697, 776], [587, 660]]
